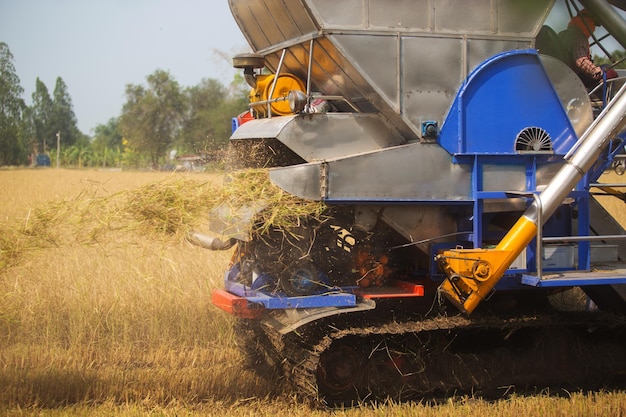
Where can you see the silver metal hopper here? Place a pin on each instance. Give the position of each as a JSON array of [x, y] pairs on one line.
[[404, 59]]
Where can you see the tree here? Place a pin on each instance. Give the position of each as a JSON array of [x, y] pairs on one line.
[[108, 135], [211, 107], [28, 131], [42, 115], [78, 156], [618, 56], [63, 119], [151, 117], [49, 116], [107, 143], [13, 149], [200, 128]]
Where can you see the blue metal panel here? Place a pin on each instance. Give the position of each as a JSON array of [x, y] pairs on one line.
[[278, 301], [584, 225], [585, 279], [501, 97], [615, 147], [477, 184]]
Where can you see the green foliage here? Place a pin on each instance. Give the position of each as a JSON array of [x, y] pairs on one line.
[[156, 118], [203, 121], [42, 117], [162, 116], [77, 156], [49, 116], [12, 144], [107, 144], [152, 116], [63, 119], [618, 56], [108, 135], [207, 125]]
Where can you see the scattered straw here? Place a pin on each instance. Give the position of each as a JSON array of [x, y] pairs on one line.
[[282, 210], [171, 207]]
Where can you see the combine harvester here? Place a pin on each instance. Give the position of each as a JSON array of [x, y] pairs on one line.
[[457, 163]]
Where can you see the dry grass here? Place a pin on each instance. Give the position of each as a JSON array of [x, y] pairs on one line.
[[102, 301], [105, 309], [579, 405], [26, 189], [615, 206]]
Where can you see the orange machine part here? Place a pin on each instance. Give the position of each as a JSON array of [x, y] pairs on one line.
[[284, 84], [235, 305], [372, 269]]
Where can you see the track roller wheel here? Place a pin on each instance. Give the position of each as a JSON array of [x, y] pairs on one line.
[[339, 372]]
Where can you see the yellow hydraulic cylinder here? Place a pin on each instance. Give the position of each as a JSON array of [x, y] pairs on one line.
[[472, 273]]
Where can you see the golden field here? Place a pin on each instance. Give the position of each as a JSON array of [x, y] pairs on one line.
[[105, 309]]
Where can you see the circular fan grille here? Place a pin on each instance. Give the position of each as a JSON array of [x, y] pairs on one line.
[[533, 139]]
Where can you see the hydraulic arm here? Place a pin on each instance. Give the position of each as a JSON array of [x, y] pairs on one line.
[[471, 274]]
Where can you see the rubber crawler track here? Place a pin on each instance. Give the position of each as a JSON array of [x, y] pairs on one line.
[[298, 355]]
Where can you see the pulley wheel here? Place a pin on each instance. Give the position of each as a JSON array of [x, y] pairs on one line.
[[300, 279]]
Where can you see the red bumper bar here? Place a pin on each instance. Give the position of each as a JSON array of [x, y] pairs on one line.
[[235, 305]]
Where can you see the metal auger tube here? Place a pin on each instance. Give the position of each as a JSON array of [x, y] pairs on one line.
[[460, 287], [586, 152]]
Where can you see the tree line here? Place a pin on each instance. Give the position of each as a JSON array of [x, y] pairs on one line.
[[155, 119], [32, 130]]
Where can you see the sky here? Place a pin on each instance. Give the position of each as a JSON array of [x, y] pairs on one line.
[[99, 46]]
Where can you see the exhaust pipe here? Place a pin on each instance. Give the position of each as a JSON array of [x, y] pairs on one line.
[[210, 242]]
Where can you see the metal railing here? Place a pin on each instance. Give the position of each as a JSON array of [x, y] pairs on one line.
[[540, 240]]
